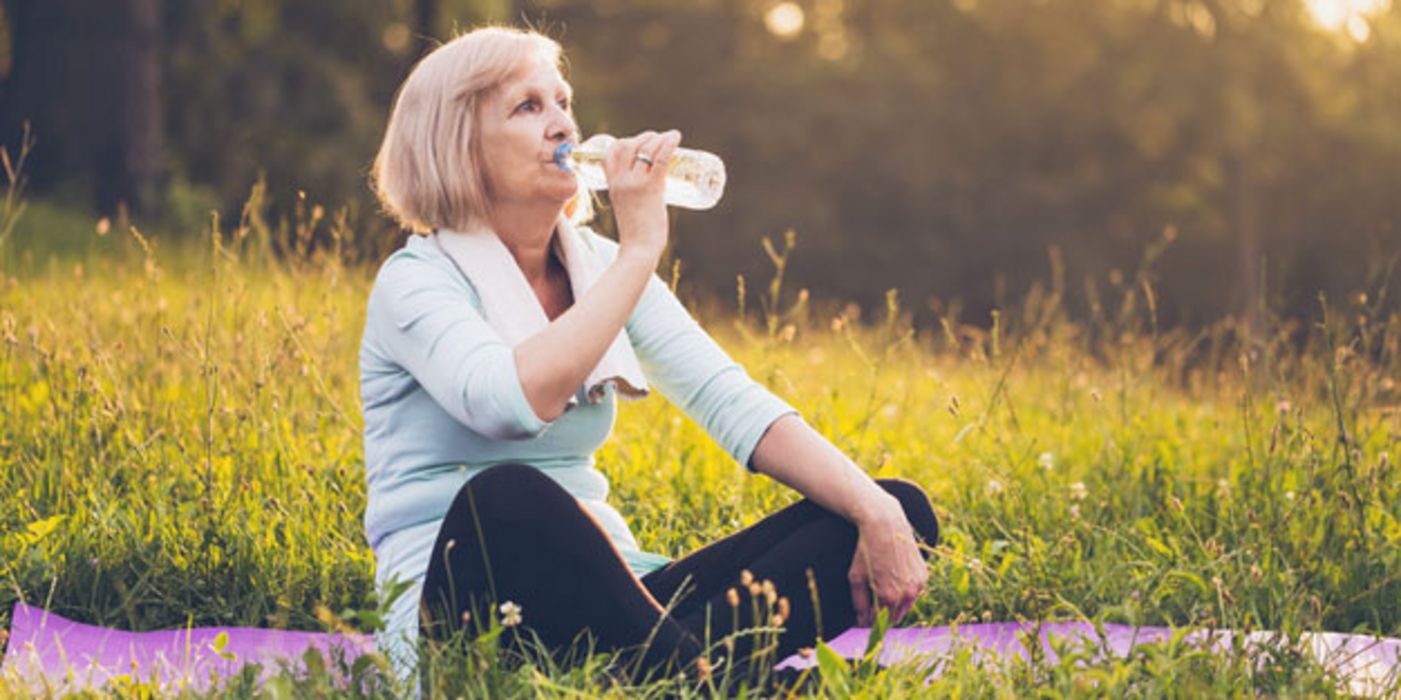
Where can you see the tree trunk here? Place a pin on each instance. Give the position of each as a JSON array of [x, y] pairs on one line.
[[1245, 218], [127, 156], [425, 28], [86, 75], [35, 88]]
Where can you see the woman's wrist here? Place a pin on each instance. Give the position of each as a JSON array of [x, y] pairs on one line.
[[876, 507], [795, 454], [645, 254]]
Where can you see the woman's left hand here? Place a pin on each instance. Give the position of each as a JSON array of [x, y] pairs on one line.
[[887, 561]]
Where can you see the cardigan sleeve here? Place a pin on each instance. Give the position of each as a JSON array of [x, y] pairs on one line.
[[424, 320], [692, 371]]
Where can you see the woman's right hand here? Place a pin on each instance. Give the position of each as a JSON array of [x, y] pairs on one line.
[[636, 190]]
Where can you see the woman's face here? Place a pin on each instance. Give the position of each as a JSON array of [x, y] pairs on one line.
[[522, 123]]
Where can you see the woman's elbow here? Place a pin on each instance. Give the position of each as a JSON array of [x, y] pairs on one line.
[[502, 412], [546, 411], [543, 401]]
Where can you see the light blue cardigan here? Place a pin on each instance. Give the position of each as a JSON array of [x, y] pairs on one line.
[[442, 402]]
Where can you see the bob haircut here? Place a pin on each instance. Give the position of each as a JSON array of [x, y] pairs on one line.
[[428, 173]]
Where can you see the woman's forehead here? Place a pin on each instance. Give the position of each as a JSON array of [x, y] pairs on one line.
[[538, 74]]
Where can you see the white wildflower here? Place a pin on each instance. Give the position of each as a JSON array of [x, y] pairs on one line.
[[510, 614]]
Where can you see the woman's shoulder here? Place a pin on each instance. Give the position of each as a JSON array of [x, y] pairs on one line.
[[419, 264]]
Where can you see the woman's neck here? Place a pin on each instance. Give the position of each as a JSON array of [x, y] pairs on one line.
[[528, 233]]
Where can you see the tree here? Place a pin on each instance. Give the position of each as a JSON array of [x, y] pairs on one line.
[[425, 27], [87, 75]]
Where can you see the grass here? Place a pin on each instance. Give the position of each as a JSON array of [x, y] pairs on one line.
[[181, 445]]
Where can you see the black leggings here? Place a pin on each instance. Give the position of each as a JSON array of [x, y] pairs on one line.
[[514, 534]]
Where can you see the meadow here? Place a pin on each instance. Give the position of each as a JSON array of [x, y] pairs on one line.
[[181, 446]]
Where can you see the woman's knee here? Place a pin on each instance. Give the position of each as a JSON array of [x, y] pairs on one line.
[[511, 474], [918, 510], [511, 490]]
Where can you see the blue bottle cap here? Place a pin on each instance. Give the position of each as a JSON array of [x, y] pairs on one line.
[[562, 156]]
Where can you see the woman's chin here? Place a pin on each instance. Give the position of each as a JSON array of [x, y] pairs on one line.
[[561, 196]]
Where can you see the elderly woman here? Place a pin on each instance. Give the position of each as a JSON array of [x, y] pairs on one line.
[[496, 345]]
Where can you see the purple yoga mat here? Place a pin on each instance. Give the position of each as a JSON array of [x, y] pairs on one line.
[[46, 650], [1365, 666]]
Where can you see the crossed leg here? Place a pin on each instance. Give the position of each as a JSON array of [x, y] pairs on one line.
[[804, 549], [514, 534]]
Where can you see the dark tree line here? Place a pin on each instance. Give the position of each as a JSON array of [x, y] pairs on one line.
[[87, 75], [949, 148]]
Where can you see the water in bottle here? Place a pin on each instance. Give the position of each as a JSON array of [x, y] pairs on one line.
[[695, 180]]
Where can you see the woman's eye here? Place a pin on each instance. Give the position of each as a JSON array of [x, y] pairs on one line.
[[528, 104], [564, 105]]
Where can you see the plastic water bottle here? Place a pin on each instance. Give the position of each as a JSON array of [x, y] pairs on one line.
[[695, 180]]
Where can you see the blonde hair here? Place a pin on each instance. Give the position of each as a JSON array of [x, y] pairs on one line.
[[428, 172]]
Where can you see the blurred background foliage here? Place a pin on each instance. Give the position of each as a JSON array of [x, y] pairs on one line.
[[1238, 156]]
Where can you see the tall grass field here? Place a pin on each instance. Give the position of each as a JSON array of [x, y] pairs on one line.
[[181, 445]]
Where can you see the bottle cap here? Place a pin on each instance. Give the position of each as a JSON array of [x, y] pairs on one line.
[[562, 154]]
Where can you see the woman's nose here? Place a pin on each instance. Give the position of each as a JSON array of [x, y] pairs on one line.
[[563, 132], [562, 128]]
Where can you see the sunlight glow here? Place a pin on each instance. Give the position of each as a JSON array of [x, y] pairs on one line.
[[1350, 16], [396, 37], [784, 20]]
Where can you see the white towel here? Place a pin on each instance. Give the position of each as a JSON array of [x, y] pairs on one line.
[[515, 313]]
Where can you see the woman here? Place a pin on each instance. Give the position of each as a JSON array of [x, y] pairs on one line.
[[495, 348]]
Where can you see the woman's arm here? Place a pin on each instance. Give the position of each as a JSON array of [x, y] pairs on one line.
[[887, 558], [554, 362]]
